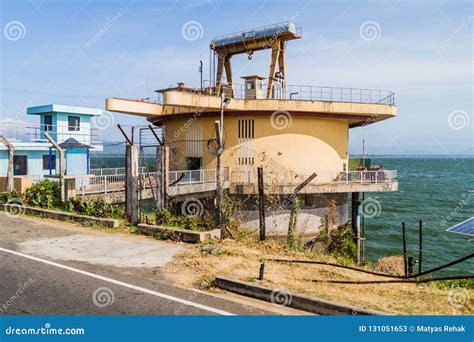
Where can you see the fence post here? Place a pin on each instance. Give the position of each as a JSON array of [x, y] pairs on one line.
[[10, 185], [164, 174], [105, 184], [131, 183], [261, 204]]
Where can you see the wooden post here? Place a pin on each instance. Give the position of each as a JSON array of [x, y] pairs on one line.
[[131, 183], [261, 204], [9, 186], [61, 166]]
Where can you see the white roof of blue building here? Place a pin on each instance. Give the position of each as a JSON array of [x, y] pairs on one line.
[[56, 108]]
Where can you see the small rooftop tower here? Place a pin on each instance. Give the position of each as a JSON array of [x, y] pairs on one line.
[[254, 87], [267, 37]]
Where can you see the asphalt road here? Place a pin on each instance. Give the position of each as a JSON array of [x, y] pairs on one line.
[[37, 284]]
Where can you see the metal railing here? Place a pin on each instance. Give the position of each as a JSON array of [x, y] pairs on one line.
[[323, 177], [192, 176], [300, 93], [113, 171], [319, 93], [116, 182], [100, 184], [16, 132]]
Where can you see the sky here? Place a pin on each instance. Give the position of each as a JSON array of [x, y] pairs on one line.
[[81, 52]]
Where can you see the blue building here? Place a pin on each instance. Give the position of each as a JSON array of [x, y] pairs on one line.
[[35, 156]]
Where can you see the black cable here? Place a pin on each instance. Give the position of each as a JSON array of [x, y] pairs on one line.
[[400, 281], [457, 261]]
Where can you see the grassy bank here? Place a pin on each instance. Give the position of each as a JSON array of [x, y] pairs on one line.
[[240, 259]]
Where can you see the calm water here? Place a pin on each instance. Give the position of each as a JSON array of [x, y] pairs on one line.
[[435, 190]]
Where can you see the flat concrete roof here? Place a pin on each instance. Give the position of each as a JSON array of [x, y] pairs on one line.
[[57, 108]]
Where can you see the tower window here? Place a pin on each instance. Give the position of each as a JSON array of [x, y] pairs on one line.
[[74, 123]]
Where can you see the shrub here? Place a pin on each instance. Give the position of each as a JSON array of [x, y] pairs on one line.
[[93, 207], [166, 218], [44, 194]]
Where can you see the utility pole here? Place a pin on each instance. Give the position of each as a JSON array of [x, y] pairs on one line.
[[200, 71], [9, 186], [217, 126]]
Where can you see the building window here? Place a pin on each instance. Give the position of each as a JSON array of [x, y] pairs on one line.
[[20, 165], [48, 123], [73, 123], [250, 86], [246, 135], [46, 162]]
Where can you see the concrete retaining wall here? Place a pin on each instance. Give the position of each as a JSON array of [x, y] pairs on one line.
[[178, 234], [278, 296], [59, 215]]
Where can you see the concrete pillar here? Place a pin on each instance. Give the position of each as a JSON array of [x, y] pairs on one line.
[[131, 183], [9, 184], [356, 205], [159, 177], [165, 166]]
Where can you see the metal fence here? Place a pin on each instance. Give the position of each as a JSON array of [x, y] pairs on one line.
[[323, 177]]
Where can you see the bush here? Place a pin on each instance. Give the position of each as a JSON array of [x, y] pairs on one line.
[[93, 207], [342, 243], [166, 218], [44, 194]]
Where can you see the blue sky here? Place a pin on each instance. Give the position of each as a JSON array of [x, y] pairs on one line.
[[80, 52]]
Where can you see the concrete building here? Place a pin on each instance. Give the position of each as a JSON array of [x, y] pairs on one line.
[[291, 131], [35, 157]]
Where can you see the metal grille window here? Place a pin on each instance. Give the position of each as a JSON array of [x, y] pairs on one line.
[[246, 135]]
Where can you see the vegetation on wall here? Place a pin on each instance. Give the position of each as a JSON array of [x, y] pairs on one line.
[[166, 218], [46, 194]]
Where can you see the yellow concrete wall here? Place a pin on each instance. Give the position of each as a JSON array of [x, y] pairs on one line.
[[305, 145], [20, 183]]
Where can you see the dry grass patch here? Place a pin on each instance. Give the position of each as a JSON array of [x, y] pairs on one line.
[[240, 259]]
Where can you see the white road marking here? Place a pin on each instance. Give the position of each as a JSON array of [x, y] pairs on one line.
[[121, 283]]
